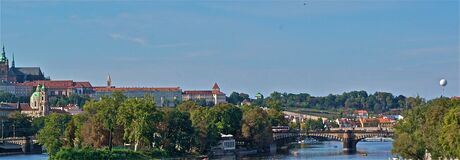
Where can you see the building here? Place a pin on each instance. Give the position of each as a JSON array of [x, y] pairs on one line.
[[214, 96], [62, 87], [360, 114], [7, 108], [38, 105], [18, 74], [16, 89], [259, 96], [70, 109], [164, 97], [167, 97]]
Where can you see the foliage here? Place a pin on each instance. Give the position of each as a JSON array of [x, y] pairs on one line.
[[98, 154], [228, 118], [277, 118], [378, 102], [176, 134], [236, 98], [59, 101], [313, 125], [22, 124], [205, 130], [138, 118], [256, 128], [431, 127], [187, 106], [450, 133], [50, 136]]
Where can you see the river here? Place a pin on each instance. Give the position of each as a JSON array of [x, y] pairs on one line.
[[333, 150], [326, 150]]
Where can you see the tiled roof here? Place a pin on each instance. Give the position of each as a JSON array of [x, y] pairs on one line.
[[58, 84], [215, 86], [202, 92], [83, 85], [198, 92], [127, 89]]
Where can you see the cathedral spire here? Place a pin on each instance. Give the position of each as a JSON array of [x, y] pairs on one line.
[[12, 63], [109, 81], [3, 56]]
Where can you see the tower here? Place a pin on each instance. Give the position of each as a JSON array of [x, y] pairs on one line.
[[215, 88], [12, 62], [39, 102], [44, 101], [109, 81], [4, 67], [215, 93]]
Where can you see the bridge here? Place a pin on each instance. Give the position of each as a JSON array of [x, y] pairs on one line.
[[348, 137], [18, 144]]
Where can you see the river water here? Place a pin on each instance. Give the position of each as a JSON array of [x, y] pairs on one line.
[[326, 150], [333, 150]]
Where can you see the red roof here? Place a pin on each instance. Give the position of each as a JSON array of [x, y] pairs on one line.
[[202, 92], [215, 86], [198, 92], [58, 84], [83, 85], [384, 120], [126, 89], [360, 112]]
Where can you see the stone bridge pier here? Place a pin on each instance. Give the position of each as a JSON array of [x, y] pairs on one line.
[[349, 142]]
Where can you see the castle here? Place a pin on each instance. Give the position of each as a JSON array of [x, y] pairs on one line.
[[18, 74]]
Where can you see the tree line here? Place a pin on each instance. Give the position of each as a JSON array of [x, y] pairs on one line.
[[430, 127], [188, 129], [377, 103]]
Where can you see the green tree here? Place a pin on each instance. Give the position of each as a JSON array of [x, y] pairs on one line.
[[176, 133], [277, 118], [228, 118], [187, 106], [205, 129], [108, 112], [50, 136], [37, 124], [312, 125], [450, 133], [21, 123], [138, 116], [256, 128]]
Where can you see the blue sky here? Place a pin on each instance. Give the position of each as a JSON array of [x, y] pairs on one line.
[[320, 47]]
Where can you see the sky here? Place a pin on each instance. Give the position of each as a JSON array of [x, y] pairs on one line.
[[316, 47]]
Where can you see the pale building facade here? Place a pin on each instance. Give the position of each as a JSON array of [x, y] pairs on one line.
[[214, 96]]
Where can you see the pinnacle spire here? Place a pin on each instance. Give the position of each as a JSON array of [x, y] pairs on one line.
[[3, 56], [12, 63], [109, 81]]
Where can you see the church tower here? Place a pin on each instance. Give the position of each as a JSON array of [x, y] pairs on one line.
[[109, 82], [4, 66], [39, 102]]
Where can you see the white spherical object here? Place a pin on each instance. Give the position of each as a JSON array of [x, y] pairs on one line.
[[443, 82]]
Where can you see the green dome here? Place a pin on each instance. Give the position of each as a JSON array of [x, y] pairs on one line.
[[36, 94]]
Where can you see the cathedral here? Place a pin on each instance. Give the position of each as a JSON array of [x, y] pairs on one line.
[[18, 74]]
